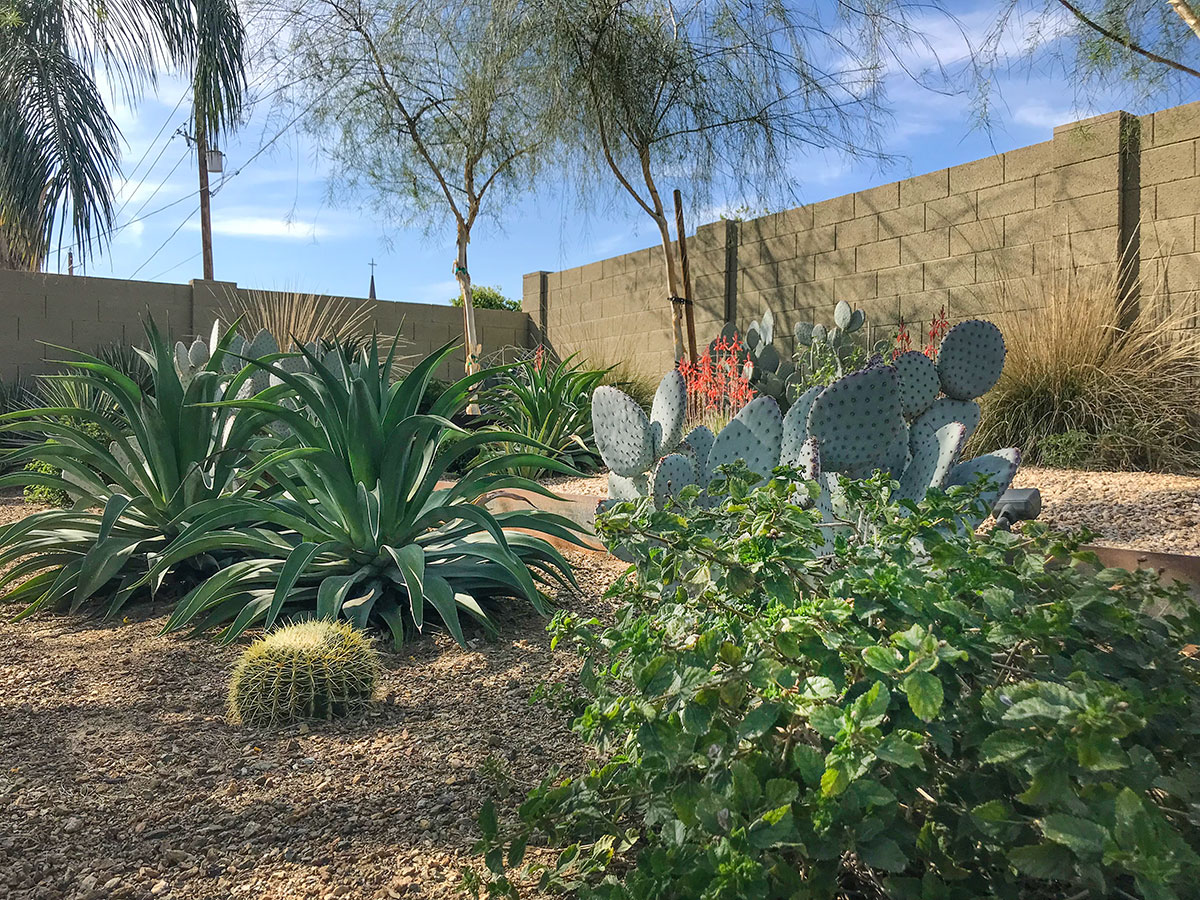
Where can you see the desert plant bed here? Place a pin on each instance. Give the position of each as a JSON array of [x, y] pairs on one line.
[[121, 777], [1138, 510]]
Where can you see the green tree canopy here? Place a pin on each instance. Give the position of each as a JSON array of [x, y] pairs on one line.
[[719, 95], [486, 297], [434, 112]]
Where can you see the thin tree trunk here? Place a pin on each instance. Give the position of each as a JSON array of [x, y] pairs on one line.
[[668, 246], [664, 230], [1188, 14], [473, 347], [205, 213]]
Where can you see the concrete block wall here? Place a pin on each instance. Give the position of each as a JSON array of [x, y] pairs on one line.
[[83, 312], [1114, 191]]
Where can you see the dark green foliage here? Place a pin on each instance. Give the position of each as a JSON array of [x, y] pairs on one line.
[[139, 467], [361, 525], [550, 402], [484, 297], [41, 494], [930, 714]]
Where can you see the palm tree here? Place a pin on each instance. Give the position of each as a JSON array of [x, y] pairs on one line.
[[59, 146]]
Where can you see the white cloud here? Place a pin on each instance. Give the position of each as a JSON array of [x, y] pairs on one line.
[[1040, 114], [266, 227]]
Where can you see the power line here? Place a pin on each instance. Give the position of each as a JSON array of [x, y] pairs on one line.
[[149, 146], [186, 219], [261, 150], [174, 267]]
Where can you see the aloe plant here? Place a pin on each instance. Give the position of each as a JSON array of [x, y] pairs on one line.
[[362, 526], [550, 402], [137, 479]]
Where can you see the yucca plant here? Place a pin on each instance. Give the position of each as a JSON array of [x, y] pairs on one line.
[[363, 527], [549, 402], [137, 479]]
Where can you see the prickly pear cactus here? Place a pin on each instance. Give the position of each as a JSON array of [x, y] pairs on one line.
[[754, 436], [808, 459], [667, 413], [857, 419], [700, 439], [944, 410], [970, 359], [895, 461], [919, 383], [795, 427], [622, 488], [999, 467], [622, 432], [673, 473], [934, 453]]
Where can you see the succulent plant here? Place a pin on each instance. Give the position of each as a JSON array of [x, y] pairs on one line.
[[309, 670], [881, 418], [630, 443], [821, 352]]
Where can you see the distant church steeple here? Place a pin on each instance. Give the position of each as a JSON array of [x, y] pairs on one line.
[[371, 295]]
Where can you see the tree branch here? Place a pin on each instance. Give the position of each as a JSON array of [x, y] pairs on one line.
[[410, 123], [1126, 42], [1189, 16]]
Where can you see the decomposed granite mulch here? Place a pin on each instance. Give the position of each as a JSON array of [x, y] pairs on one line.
[[121, 777]]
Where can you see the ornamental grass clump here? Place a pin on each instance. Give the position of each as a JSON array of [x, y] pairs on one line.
[[928, 713], [307, 670], [1120, 376]]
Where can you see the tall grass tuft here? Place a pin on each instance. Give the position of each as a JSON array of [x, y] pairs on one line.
[[289, 315], [1121, 384]]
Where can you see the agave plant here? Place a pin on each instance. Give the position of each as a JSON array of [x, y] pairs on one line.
[[140, 467], [363, 527], [551, 403]]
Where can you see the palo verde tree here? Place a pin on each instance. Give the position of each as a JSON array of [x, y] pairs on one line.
[[1134, 48], [434, 110], [718, 96]]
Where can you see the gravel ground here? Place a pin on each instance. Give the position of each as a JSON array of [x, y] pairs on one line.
[[120, 776], [1140, 510]]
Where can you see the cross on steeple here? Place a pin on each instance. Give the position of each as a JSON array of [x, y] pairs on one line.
[[371, 295]]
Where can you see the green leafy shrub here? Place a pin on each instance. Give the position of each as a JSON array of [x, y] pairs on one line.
[[307, 670], [41, 494], [360, 524], [931, 714], [550, 402], [484, 297]]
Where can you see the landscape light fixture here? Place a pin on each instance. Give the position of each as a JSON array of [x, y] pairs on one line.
[[1015, 505]]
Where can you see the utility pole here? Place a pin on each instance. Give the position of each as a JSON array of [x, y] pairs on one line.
[[205, 213]]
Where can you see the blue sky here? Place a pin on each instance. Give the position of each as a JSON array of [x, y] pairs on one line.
[[277, 227]]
